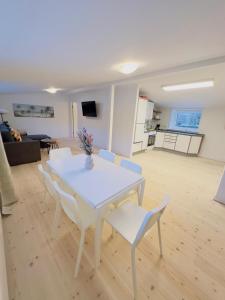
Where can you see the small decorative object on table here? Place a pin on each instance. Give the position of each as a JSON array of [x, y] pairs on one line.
[[87, 145]]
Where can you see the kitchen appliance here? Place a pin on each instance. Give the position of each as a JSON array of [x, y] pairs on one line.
[[151, 138]]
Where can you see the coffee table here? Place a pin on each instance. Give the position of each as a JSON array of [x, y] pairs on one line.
[[50, 144]]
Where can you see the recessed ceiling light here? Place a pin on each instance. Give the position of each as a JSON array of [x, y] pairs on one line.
[[188, 86], [128, 68], [52, 90]]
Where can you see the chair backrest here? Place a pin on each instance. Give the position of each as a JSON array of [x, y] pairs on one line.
[[110, 156], [131, 166], [60, 153], [69, 205], [151, 218], [48, 182]]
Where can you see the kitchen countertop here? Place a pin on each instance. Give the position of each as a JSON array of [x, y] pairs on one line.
[[149, 131], [180, 132]]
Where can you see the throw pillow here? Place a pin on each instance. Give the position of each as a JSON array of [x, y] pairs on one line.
[[7, 137], [15, 133]]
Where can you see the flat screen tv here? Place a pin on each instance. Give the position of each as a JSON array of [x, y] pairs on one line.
[[89, 109]]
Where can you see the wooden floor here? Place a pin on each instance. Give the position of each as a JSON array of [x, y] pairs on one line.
[[193, 231]]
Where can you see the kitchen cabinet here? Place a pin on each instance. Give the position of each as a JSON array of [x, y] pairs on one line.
[[145, 141], [141, 111], [149, 111], [195, 144], [144, 112], [178, 141], [182, 143], [137, 147], [168, 145], [159, 139], [139, 134]]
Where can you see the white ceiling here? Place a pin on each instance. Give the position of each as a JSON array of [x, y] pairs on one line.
[[71, 44], [204, 97]]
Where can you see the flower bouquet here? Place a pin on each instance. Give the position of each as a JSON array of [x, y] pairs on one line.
[[87, 145]]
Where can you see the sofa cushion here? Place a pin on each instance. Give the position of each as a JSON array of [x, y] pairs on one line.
[[4, 127], [16, 134], [7, 137]]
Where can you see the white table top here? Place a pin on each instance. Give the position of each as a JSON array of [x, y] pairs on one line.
[[99, 185]]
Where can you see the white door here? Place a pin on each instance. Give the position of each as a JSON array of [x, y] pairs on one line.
[[159, 139], [139, 134], [141, 111], [182, 143], [74, 119]]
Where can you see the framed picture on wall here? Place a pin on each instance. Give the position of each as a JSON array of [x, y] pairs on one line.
[[33, 111]]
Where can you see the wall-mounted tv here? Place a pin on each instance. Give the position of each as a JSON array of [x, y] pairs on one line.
[[89, 109]]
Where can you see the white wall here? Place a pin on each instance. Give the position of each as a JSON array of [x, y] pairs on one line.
[[59, 126], [125, 105], [164, 117], [213, 126], [100, 127]]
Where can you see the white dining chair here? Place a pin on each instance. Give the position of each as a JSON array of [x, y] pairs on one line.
[[110, 156], [127, 164], [131, 166], [78, 212], [49, 185], [60, 153], [47, 181], [132, 222]]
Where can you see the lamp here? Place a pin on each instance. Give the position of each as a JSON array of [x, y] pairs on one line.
[[3, 112]]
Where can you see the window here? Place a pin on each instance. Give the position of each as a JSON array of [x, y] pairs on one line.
[[185, 120]]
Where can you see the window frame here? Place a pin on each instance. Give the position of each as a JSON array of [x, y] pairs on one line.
[[173, 116]]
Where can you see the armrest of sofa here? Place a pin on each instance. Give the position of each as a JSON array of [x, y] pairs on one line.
[[23, 152]]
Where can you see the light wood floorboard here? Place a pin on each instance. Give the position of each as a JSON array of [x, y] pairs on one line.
[[193, 233]]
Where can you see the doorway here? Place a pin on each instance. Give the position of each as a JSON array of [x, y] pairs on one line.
[[74, 119]]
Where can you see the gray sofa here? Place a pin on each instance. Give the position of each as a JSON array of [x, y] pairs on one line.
[[23, 152], [26, 151]]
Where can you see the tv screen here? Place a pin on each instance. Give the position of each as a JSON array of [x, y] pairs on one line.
[[89, 109]]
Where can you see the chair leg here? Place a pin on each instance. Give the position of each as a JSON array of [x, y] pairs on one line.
[[134, 272], [113, 232], [57, 217], [81, 246], [160, 239]]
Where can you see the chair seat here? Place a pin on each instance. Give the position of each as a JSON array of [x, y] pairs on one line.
[[127, 220]]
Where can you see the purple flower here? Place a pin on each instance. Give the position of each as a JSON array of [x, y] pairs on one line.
[[86, 141]]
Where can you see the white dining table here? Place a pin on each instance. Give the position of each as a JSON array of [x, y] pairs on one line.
[[105, 183]]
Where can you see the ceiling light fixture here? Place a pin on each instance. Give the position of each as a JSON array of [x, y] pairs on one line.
[[188, 86], [128, 68], [52, 90]]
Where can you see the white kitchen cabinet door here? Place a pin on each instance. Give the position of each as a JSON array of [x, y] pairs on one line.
[[195, 144], [137, 147], [182, 143], [169, 145], [145, 142], [141, 111], [149, 112], [159, 139], [139, 134]]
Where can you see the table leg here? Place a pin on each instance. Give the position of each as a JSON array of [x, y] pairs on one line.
[[141, 189], [98, 236]]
